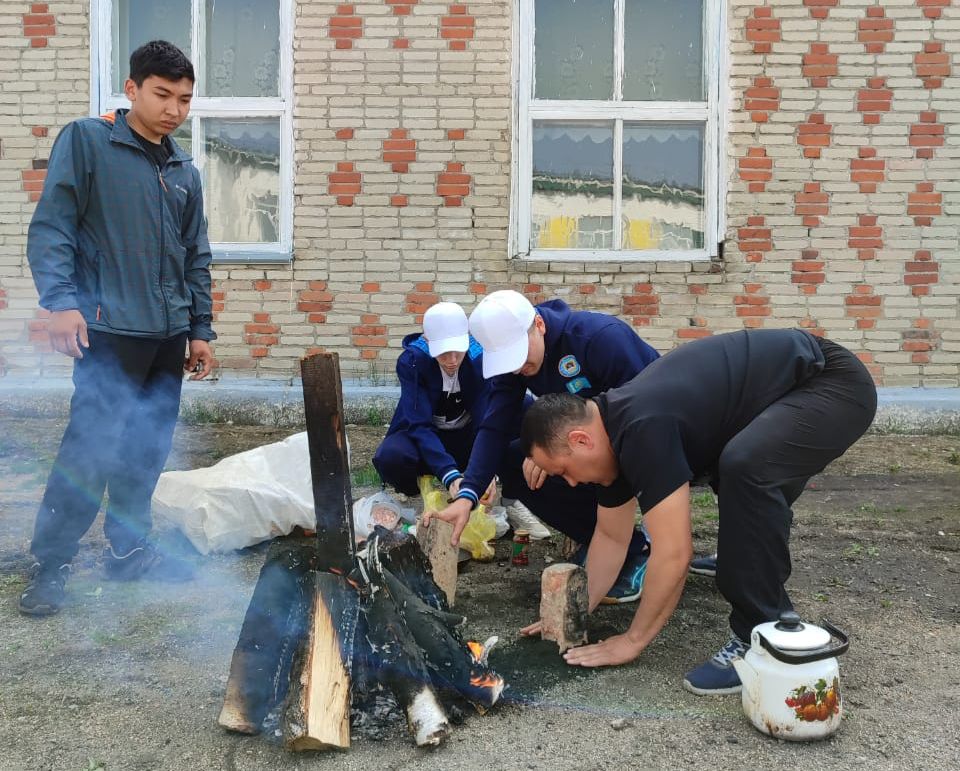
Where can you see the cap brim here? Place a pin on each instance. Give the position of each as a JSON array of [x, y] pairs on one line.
[[508, 359], [458, 343]]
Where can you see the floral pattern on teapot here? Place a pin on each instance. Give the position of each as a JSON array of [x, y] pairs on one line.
[[817, 703]]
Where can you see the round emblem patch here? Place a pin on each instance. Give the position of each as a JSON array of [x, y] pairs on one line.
[[569, 366]]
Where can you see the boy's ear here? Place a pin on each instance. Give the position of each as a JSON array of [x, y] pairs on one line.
[[130, 89], [579, 437]]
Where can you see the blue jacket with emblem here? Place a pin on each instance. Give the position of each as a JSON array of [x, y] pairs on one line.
[[421, 389], [120, 240], [585, 353]]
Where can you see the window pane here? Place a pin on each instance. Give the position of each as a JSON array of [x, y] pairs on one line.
[[243, 48], [663, 60], [242, 179], [573, 47], [182, 137], [136, 22], [662, 186], [572, 205]]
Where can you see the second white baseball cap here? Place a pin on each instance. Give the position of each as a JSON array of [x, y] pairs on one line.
[[445, 327], [500, 323]]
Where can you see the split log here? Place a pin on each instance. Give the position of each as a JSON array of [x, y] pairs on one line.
[[435, 542], [317, 712], [564, 605], [272, 629], [403, 557]]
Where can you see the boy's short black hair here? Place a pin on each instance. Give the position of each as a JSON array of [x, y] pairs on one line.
[[158, 57]]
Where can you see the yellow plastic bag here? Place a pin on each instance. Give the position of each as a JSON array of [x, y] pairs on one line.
[[479, 530]]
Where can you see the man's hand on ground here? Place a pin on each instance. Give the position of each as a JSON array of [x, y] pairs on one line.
[[534, 475], [66, 329], [457, 514], [615, 650], [200, 353]]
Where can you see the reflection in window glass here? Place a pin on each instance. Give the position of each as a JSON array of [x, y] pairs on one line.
[[243, 48], [663, 50], [136, 22], [662, 186], [572, 205], [183, 138], [242, 179], [574, 49]]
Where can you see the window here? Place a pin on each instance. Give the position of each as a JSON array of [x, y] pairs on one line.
[[617, 140], [240, 126]]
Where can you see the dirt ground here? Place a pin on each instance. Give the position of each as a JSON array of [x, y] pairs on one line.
[[132, 676]]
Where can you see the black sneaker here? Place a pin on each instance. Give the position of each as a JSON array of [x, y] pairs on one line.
[[44, 594], [145, 561]]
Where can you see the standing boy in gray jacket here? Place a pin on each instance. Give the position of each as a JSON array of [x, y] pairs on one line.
[[119, 254]]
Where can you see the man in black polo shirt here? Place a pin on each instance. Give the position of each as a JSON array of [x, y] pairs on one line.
[[760, 411]]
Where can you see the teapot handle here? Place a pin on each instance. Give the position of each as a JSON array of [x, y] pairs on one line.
[[827, 651]]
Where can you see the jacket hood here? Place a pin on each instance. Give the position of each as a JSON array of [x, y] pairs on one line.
[[556, 314]]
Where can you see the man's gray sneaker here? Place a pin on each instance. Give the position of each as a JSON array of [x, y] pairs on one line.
[[145, 561], [44, 594]]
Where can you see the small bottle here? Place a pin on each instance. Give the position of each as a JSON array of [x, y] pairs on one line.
[[521, 543]]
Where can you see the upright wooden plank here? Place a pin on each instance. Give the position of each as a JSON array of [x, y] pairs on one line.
[[329, 465]]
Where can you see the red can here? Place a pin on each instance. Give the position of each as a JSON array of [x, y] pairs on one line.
[[521, 543]]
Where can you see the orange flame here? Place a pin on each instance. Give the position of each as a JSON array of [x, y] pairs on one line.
[[476, 650], [486, 681]]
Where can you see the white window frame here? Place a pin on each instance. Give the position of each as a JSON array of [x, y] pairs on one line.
[[102, 99], [528, 109]]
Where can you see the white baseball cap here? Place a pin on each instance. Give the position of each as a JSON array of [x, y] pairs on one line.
[[500, 323], [445, 327]]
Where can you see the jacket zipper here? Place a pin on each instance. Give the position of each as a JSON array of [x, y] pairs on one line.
[[166, 310]]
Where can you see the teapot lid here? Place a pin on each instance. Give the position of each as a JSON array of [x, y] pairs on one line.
[[790, 633]]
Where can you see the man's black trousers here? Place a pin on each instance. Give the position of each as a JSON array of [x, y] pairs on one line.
[[122, 415], [763, 470]]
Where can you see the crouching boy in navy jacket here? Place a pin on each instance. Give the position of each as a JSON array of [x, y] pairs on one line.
[[442, 398]]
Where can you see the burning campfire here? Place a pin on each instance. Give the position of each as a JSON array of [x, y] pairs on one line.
[[328, 626]]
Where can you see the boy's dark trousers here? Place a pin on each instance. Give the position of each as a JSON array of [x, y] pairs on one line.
[[398, 461], [122, 415]]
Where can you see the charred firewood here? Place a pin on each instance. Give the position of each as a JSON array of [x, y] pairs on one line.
[[317, 712], [272, 629], [453, 663], [405, 559], [393, 650]]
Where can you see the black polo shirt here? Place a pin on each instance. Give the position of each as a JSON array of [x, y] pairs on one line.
[[670, 423]]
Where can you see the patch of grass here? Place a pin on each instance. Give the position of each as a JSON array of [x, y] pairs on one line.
[[954, 458], [12, 580], [821, 597], [95, 765], [703, 501], [365, 476], [859, 550], [375, 416], [895, 468]]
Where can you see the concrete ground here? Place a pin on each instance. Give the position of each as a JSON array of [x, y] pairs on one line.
[[132, 676]]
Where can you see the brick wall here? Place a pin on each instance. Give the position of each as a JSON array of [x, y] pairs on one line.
[[841, 205]]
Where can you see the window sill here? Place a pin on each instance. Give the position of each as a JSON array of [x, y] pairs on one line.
[[236, 257], [626, 256]]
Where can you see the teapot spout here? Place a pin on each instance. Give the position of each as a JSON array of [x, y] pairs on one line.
[[745, 671]]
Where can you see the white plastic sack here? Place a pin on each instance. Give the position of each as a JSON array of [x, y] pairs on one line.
[[242, 500]]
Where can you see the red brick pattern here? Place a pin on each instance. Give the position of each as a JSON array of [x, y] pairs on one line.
[[640, 306], [345, 183], [920, 340], [875, 31], [345, 26], [866, 237], [457, 27], [808, 271], [39, 25], [874, 99], [753, 305], [453, 185], [369, 335], [867, 170], [932, 64], [421, 297], [814, 135], [864, 306], [924, 204], [811, 204], [921, 273], [820, 9], [927, 134], [260, 334], [754, 239], [756, 169], [819, 65], [402, 7], [399, 151], [761, 99], [763, 30], [316, 301]]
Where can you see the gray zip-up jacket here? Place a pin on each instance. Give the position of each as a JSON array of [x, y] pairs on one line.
[[120, 240]]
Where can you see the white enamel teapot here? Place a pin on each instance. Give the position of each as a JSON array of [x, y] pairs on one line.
[[791, 679]]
